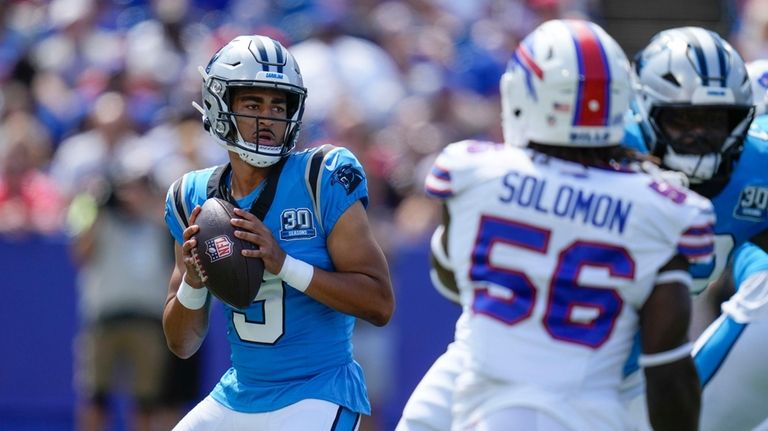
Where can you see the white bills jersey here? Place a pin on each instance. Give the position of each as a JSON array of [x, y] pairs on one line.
[[554, 259]]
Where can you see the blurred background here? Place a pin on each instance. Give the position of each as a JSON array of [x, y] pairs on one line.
[[96, 122]]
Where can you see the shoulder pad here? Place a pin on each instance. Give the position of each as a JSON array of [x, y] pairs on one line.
[[455, 161]]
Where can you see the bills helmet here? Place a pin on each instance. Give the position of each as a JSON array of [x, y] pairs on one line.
[[567, 84], [696, 101], [251, 61]]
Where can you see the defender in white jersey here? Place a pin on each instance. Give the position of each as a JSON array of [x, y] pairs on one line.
[[293, 367], [560, 252]]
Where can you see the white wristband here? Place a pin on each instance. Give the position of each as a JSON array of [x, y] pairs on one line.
[[661, 358], [191, 298], [297, 273], [675, 276]]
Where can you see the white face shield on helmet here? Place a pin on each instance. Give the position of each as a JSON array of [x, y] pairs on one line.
[[251, 62], [758, 76], [696, 98], [567, 84]]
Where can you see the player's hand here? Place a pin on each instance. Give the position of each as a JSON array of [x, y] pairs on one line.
[[673, 177], [251, 229], [194, 275]]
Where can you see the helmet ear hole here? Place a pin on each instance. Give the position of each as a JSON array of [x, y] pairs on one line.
[[517, 112]]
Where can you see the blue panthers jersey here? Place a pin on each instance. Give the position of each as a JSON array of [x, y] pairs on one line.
[[286, 346]]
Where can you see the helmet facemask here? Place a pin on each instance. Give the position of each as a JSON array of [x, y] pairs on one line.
[[225, 125], [697, 139]]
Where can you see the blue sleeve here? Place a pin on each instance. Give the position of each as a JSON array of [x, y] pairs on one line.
[[748, 259], [343, 183], [173, 219], [633, 134], [633, 138], [183, 196]]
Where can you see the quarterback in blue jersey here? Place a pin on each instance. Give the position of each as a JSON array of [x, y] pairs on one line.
[[694, 112], [292, 362]]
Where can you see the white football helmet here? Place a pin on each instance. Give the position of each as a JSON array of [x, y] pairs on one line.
[[251, 61], [695, 95], [567, 84], [758, 75]]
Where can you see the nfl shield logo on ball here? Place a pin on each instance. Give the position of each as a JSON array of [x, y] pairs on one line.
[[218, 248]]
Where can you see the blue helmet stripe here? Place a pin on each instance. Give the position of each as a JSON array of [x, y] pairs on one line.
[[694, 43], [279, 52], [264, 60], [721, 59]]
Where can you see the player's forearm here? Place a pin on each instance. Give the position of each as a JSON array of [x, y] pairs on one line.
[[674, 396], [184, 329], [361, 295]]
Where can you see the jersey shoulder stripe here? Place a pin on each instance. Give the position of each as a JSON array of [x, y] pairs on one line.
[[460, 164], [183, 195], [697, 241], [438, 183]]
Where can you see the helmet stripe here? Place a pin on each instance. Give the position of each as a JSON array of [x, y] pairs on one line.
[[693, 43], [522, 57], [593, 96], [720, 58], [264, 60], [525, 59], [279, 53]]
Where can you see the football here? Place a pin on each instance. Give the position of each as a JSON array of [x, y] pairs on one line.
[[231, 277]]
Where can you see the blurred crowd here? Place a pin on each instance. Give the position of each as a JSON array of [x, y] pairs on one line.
[[95, 92], [97, 89]]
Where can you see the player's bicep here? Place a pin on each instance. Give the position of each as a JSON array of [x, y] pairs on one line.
[[352, 246], [666, 314], [672, 385], [343, 184]]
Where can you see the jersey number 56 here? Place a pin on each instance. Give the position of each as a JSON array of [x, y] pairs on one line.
[[564, 293]]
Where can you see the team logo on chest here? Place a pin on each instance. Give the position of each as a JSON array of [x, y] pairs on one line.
[[297, 223], [753, 203]]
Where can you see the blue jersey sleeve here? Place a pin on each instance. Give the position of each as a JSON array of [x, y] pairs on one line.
[[748, 259], [175, 213], [343, 183], [183, 196], [633, 137]]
